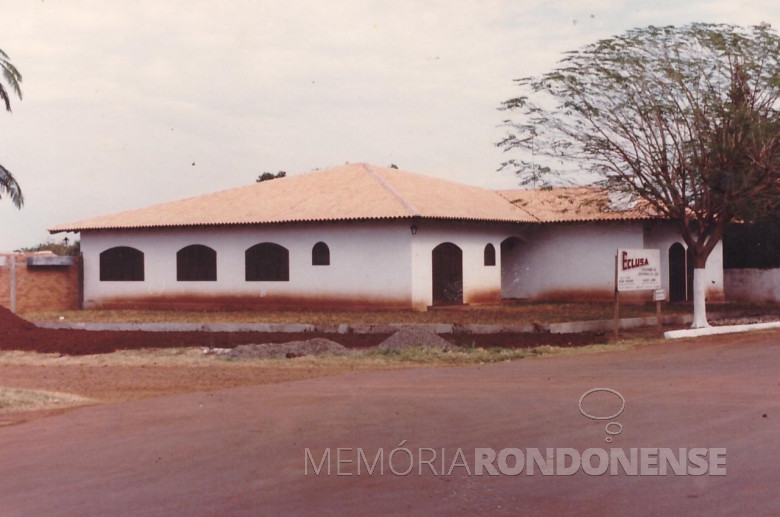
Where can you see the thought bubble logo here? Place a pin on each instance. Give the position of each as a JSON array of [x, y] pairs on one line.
[[612, 428]]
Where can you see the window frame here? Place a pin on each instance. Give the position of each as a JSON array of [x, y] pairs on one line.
[[267, 262], [320, 254], [489, 255], [196, 263], [121, 264]]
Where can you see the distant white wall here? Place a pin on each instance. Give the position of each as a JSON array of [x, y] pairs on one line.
[[752, 285]]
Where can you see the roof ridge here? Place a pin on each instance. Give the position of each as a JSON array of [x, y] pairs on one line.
[[393, 192], [514, 202], [524, 210]]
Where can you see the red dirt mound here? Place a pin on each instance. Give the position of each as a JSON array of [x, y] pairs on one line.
[[10, 322], [19, 334]]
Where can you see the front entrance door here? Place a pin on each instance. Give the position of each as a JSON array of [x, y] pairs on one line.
[[677, 273], [447, 261]]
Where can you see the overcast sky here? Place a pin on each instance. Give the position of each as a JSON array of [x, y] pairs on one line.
[[132, 103]]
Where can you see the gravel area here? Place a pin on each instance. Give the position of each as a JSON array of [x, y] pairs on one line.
[[746, 320], [409, 337], [290, 350]]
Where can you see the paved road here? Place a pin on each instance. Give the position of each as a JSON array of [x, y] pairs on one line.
[[242, 451]]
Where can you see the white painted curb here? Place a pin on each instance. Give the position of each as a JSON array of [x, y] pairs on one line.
[[726, 329]]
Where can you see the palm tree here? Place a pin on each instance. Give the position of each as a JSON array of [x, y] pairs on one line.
[[8, 185]]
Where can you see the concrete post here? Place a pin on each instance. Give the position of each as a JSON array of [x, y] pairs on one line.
[[13, 282]]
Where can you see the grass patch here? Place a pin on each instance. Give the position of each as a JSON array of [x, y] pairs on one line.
[[17, 399], [424, 356], [516, 314], [433, 356], [356, 359]]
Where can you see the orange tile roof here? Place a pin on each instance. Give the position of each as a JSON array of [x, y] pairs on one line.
[[572, 204], [348, 192], [359, 192]]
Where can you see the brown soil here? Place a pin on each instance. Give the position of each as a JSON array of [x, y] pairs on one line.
[[242, 451], [19, 334], [113, 383]]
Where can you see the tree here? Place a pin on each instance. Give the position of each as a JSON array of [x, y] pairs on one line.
[[8, 184], [65, 248], [270, 176], [685, 119]]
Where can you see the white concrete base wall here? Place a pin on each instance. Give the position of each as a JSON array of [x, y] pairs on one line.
[[752, 285]]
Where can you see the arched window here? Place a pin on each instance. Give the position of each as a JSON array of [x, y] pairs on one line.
[[122, 264], [267, 262], [320, 255], [196, 263], [490, 255]]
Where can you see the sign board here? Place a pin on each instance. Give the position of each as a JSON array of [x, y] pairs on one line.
[[659, 295], [638, 270]]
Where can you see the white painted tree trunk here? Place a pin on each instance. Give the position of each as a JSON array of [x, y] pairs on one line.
[[699, 294]]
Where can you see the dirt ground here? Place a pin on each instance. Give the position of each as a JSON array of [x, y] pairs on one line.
[[241, 451], [167, 363], [19, 334]]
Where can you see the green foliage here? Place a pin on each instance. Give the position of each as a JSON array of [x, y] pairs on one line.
[[60, 249], [684, 118], [11, 76], [270, 176]]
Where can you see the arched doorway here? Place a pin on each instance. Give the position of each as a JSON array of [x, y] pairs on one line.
[[678, 273], [511, 269], [447, 260]]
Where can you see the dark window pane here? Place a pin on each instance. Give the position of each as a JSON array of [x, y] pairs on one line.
[[267, 262], [320, 255], [490, 255], [122, 264], [196, 263]]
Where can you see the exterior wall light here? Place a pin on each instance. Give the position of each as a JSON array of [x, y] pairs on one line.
[[413, 229]]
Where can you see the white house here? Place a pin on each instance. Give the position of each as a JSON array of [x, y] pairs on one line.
[[362, 236]]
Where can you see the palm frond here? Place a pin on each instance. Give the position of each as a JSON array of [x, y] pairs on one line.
[[10, 188], [12, 78]]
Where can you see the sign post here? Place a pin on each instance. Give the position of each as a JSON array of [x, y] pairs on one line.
[[659, 295], [636, 270]]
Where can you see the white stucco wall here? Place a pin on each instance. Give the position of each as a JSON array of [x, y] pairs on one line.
[[577, 260], [369, 262], [752, 285], [383, 264], [481, 284], [379, 263], [573, 261], [662, 235]]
